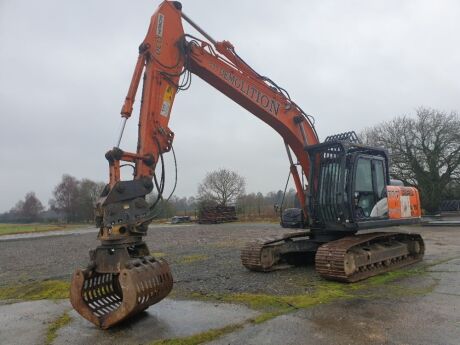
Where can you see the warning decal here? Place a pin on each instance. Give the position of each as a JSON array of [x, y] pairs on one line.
[[167, 101]]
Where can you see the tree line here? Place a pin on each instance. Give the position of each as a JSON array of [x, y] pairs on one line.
[[73, 201], [424, 152]]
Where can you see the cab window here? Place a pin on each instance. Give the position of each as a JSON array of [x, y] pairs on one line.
[[369, 186], [364, 175], [379, 177]]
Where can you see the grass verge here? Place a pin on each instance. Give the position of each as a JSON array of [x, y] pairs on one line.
[[11, 229], [158, 254], [188, 259], [46, 289]]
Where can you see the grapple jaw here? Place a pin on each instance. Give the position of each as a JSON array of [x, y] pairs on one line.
[[106, 299]]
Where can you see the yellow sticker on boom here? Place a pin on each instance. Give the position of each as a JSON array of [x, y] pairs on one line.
[[167, 101]]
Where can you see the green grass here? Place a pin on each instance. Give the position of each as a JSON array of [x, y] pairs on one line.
[[270, 315], [9, 229], [46, 289], [158, 254], [188, 259], [324, 293], [200, 338], [53, 328]]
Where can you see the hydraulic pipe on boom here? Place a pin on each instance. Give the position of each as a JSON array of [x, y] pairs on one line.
[[122, 278]]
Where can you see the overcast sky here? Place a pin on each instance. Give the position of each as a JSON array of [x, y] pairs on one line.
[[65, 67]]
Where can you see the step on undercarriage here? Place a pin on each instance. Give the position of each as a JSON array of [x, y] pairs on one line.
[[349, 259]]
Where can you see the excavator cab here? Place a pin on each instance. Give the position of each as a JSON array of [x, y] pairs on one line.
[[351, 188]]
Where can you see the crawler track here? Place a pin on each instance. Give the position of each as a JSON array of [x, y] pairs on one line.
[[264, 254], [358, 257]]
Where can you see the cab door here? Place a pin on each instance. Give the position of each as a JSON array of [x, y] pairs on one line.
[[369, 188]]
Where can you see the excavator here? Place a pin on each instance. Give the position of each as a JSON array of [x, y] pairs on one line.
[[348, 185]]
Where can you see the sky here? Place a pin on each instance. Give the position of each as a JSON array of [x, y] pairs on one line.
[[65, 68]]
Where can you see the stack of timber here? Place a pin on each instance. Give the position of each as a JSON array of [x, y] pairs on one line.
[[217, 214]]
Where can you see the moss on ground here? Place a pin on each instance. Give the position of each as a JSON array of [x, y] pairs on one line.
[[53, 327], [201, 338], [46, 289], [324, 292], [188, 259], [263, 317], [158, 254]]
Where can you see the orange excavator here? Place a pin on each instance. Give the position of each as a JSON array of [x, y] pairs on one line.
[[349, 188]]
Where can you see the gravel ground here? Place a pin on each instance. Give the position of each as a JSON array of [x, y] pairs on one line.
[[203, 258]]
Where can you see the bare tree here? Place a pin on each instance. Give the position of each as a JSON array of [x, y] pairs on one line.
[[88, 193], [425, 151], [17, 209], [221, 186], [32, 207], [76, 198], [66, 197], [27, 210]]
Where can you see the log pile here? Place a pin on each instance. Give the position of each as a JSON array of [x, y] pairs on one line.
[[217, 214]]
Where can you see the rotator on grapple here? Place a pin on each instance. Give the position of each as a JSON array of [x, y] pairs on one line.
[[349, 188]]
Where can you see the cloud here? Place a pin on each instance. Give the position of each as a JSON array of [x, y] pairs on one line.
[[65, 68]]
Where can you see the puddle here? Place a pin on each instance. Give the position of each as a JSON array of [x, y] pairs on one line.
[[27, 322], [167, 319]]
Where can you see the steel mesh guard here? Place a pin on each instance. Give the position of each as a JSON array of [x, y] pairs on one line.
[[102, 293]]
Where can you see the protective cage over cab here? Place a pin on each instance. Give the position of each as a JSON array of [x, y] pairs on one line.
[[351, 188]]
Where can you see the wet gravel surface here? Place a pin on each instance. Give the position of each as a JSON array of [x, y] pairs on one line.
[[203, 258]]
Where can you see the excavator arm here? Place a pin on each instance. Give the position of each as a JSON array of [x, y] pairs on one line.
[[167, 54], [122, 278]]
